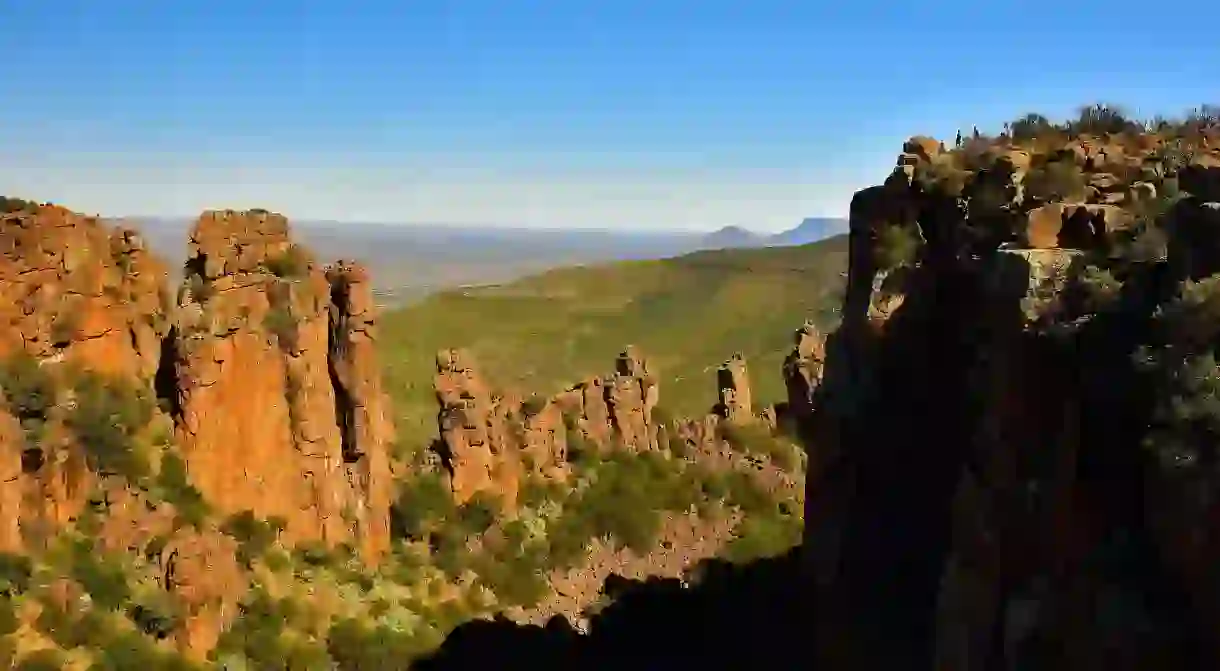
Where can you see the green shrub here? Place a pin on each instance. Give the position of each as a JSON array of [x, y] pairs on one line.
[[516, 579], [449, 549], [29, 392], [677, 445], [1056, 181], [42, 660], [254, 536], [478, 514], [294, 262], [759, 440], [128, 650], [257, 635], [356, 647], [10, 205], [1030, 127], [537, 491], [896, 246], [106, 419], [315, 553], [1098, 288], [533, 405], [9, 622], [579, 448], [104, 578], [423, 503], [624, 501], [15, 573], [176, 489], [280, 322], [745, 493], [763, 536], [1103, 118]]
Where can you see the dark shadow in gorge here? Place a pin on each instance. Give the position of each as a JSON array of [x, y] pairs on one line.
[[733, 617]]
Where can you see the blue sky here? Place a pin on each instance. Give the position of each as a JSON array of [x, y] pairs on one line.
[[589, 113]]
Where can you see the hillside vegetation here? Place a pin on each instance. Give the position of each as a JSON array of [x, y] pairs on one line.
[[687, 313]]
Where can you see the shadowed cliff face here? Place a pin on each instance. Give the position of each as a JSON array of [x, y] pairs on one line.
[[981, 492], [730, 617]]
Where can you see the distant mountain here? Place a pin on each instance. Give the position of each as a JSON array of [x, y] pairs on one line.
[[812, 229], [732, 236]]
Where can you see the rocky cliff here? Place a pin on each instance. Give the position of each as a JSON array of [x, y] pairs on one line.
[[144, 422], [990, 486], [490, 441]]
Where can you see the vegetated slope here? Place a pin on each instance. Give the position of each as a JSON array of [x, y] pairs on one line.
[[688, 313]]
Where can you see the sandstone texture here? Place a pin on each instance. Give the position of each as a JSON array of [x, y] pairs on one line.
[[257, 389], [490, 442]]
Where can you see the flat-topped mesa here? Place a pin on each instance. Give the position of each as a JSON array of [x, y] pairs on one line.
[[278, 398], [733, 386]]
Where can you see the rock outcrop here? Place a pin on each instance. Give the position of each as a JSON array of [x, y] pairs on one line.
[[490, 441], [982, 493], [733, 379], [479, 450], [802, 372], [153, 421], [267, 369], [74, 295]]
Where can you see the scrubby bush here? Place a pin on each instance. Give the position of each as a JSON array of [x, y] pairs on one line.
[[624, 500], [294, 262], [533, 405], [1103, 118], [29, 394], [1182, 369], [758, 439], [106, 419], [357, 647], [46, 659], [176, 489], [254, 536], [478, 514], [10, 205], [1056, 181], [15, 573], [103, 577], [280, 322], [516, 577], [1030, 126], [9, 622], [896, 246], [424, 503], [1096, 289], [764, 536], [258, 635]]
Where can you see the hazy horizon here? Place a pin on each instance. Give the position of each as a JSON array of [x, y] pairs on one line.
[[597, 115]]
